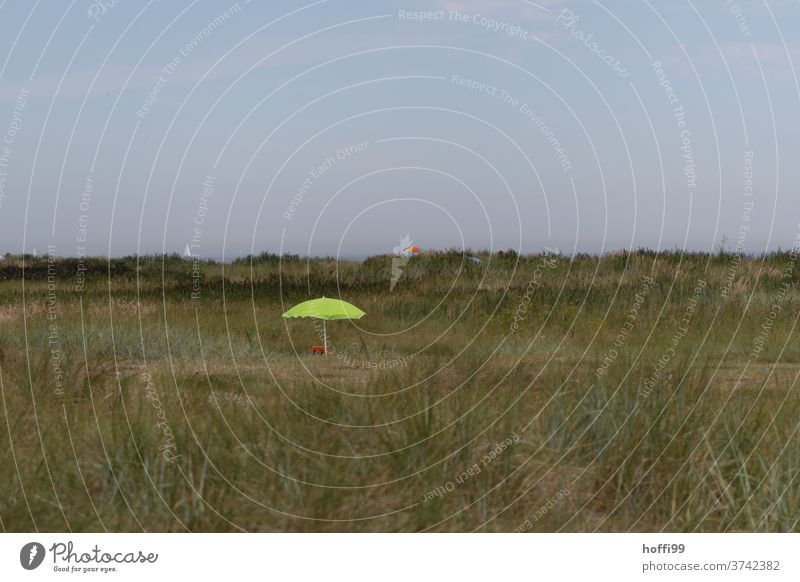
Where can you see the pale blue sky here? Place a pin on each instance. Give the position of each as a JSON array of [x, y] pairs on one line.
[[567, 140]]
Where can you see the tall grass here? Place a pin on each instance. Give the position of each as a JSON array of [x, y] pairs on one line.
[[263, 437]]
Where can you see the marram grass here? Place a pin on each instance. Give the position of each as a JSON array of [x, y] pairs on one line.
[[527, 393]]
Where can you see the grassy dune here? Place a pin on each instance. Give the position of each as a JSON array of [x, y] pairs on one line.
[[634, 391]]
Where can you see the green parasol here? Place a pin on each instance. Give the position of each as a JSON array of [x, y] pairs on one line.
[[326, 310]]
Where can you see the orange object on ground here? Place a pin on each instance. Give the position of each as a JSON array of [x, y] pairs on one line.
[[320, 350]]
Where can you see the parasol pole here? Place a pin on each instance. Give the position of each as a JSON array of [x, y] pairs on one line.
[[324, 338]]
